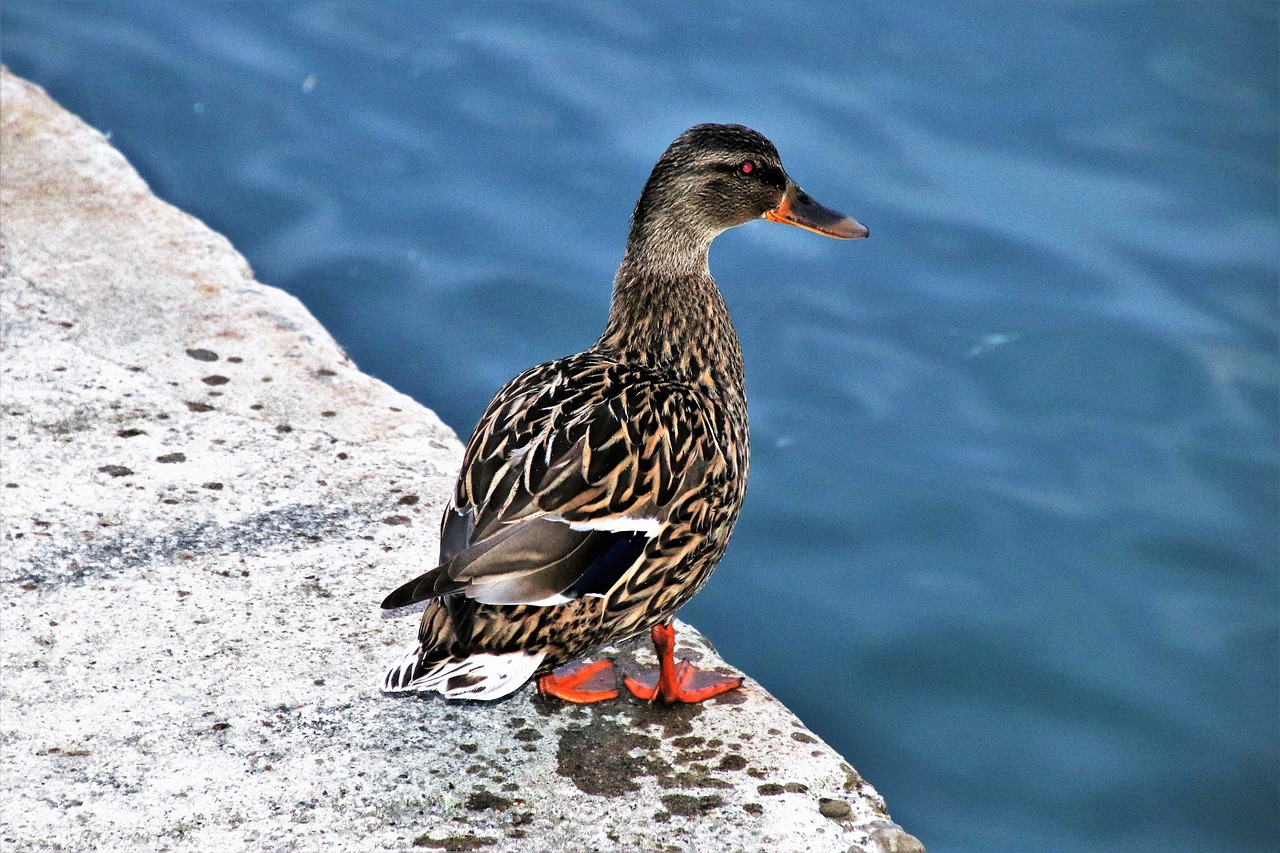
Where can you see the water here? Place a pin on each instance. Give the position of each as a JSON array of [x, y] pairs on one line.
[[1011, 539]]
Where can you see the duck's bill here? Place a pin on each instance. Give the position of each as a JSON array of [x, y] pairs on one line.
[[797, 208]]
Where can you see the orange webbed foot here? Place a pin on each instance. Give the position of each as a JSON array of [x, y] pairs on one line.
[[582, 684], [672, 682]]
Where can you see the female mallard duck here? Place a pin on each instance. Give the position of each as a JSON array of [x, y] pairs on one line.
[[599, 490]]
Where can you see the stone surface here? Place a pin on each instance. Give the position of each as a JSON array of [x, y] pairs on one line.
[[204, 501]]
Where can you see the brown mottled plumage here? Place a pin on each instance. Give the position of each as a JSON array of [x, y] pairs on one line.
[[599, 490]]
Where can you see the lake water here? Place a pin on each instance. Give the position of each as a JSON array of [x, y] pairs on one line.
[[1011, 538]]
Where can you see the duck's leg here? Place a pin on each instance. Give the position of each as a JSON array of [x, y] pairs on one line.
[[581, 685], [673, 682]]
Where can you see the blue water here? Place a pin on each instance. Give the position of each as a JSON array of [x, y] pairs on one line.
[[1011, 538]]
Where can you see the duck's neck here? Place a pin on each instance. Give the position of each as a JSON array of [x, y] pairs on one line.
[[668, 313]]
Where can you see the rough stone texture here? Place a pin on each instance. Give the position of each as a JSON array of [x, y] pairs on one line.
[[204, 500]]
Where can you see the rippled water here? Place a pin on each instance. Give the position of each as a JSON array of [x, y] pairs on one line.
[[1011, 539]]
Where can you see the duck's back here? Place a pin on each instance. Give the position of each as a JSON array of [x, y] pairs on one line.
[[589, 437]]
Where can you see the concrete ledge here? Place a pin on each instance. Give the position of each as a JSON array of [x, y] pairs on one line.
[[204, 500]]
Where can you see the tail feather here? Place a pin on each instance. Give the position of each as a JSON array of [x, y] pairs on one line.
[[478, 677]]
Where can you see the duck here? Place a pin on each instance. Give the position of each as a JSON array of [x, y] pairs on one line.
[[598, 491]]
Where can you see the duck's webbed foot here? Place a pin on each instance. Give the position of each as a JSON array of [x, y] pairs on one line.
[[672, 682], [580, 684]]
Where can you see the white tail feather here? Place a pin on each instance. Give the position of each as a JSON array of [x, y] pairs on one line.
[[479, 677]]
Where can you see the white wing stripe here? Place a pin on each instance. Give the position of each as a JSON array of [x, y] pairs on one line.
[[618, 524]]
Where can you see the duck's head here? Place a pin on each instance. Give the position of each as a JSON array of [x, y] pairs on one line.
[[716, 176]]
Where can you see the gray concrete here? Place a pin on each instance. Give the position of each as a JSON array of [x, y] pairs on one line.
[[204, 500]]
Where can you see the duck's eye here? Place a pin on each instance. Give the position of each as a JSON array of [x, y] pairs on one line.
[[746, 167]]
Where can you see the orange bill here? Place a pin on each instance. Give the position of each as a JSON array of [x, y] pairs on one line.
[[798, 208]]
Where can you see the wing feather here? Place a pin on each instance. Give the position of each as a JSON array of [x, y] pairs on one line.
[[564, 483]]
